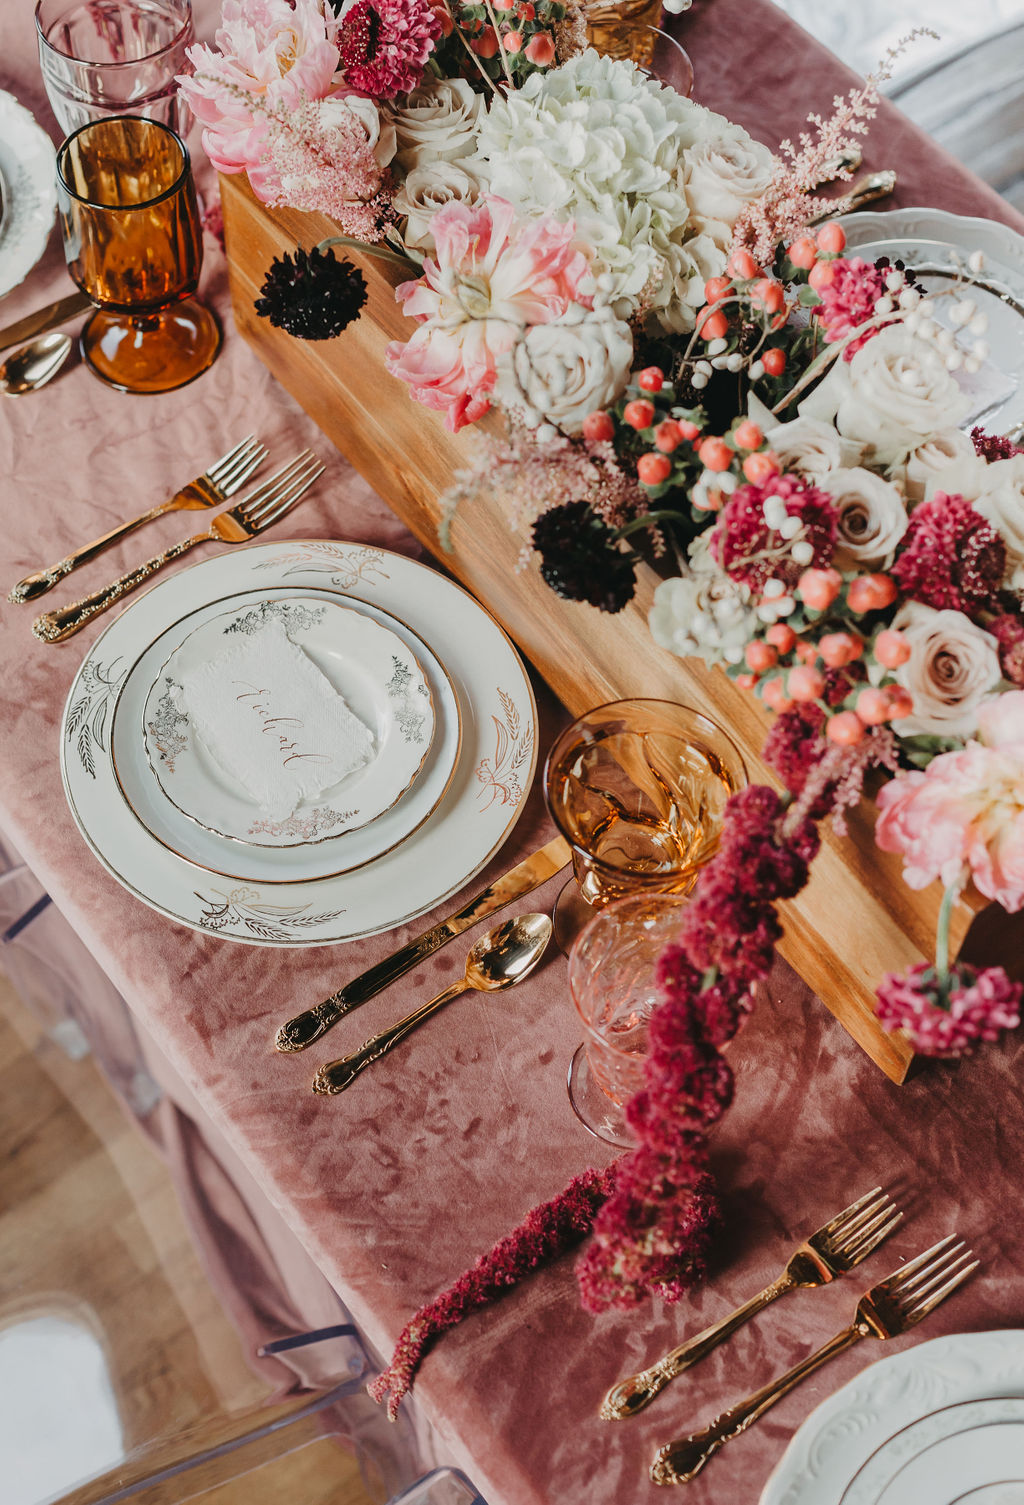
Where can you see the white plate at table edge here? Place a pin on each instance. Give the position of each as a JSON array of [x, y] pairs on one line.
[[208, 852], [487, 796], [830, 1446], [389, 774], [27, 160], [966, 1424]]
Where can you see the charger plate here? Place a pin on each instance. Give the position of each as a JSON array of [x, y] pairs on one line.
[[937, 245], [29, 193], [942, 1420], [374, 671], [212, 853], [486, 797]]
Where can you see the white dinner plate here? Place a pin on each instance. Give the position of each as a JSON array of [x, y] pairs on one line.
[[27, 163], [369, 666], [937, 245], [854, 1446], [944, 1455], [213, 853], [486, 797]]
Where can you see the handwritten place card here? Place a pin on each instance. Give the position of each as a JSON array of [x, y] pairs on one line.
[[275, 725]]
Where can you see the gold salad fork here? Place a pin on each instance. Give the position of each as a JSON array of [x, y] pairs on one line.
[[224, 478], [889, 1309], [841, 1244], [263, 507]]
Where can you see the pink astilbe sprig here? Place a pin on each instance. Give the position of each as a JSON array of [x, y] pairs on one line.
[[789, 203], [545, 1233]]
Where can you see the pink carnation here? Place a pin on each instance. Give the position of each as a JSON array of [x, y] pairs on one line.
[[965, 812], [492, 277], [384, 44], [266, 48], [948, 1016], [849, 300], [950, 557]]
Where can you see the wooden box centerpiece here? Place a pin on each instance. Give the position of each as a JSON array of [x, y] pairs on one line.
[[856, 919]]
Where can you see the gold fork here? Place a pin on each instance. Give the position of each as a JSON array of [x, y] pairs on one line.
[[263, 507], [841, 1244], [889, 1309], [224, 478]]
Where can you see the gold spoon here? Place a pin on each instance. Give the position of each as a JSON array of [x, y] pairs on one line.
[[498, 960], [33, 365]]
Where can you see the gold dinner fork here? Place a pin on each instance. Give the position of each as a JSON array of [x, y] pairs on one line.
[[889, 1309], [224, 478], [263, 507], [836, 1248]]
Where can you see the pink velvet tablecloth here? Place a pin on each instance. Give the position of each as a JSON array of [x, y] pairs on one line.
[[397, 1186]]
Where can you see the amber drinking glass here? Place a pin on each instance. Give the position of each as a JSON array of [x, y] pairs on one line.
[[638, 789], [612, 981], [133, 243]]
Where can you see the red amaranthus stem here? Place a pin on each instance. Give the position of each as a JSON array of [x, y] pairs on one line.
[[545, 1233]]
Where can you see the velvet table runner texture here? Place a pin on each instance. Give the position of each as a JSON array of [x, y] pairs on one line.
[[398, 1185]]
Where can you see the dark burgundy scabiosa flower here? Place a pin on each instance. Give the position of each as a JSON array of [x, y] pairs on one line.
[[384, 44], [951, 557], [581, 559], [313, 297], [751, 551], [948, 1015]]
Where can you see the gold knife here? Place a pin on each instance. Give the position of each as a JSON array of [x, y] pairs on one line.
[[44, 318], [525, 876]]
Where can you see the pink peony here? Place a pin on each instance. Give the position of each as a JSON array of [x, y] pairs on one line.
[[266, 48], [965, 813], [492, 277]]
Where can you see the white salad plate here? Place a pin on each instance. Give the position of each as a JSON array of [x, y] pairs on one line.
[[941, 1423], [937, 245], [308, 862], [486, 796], [375, 673], [27, 166]]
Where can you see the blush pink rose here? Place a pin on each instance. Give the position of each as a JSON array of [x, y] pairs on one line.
[[492, 278], [267, 48], [964, 815]]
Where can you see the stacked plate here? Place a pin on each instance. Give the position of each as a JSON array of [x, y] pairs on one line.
[[417, 661], [28, 192], [939, 1424]]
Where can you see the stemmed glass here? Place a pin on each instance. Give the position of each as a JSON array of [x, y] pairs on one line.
[[133, 243], [638, 789], [114, 57], [612, 982]]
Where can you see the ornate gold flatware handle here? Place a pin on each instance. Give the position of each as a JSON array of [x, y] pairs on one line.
[[527, 875], [38, 584], [55, 626], [636, 1391], [679, 1462], [874, 185], [337, 1075]]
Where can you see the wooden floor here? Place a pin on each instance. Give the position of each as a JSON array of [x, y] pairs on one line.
[[90, 1231]]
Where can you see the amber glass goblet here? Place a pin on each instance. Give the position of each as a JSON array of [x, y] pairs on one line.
[[133, 243], [638, 789]]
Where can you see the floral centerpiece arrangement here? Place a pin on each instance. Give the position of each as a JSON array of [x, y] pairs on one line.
[[687, 372]]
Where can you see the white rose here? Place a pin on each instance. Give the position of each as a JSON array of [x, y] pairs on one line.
[[810, 448], [705, 614], [943, 462], [559, 372], [426, 190], [872, 518], [723, 173], [437, 122], [952, 667], [681, 294], [894, 393], [1002, 502], [380, 133]]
